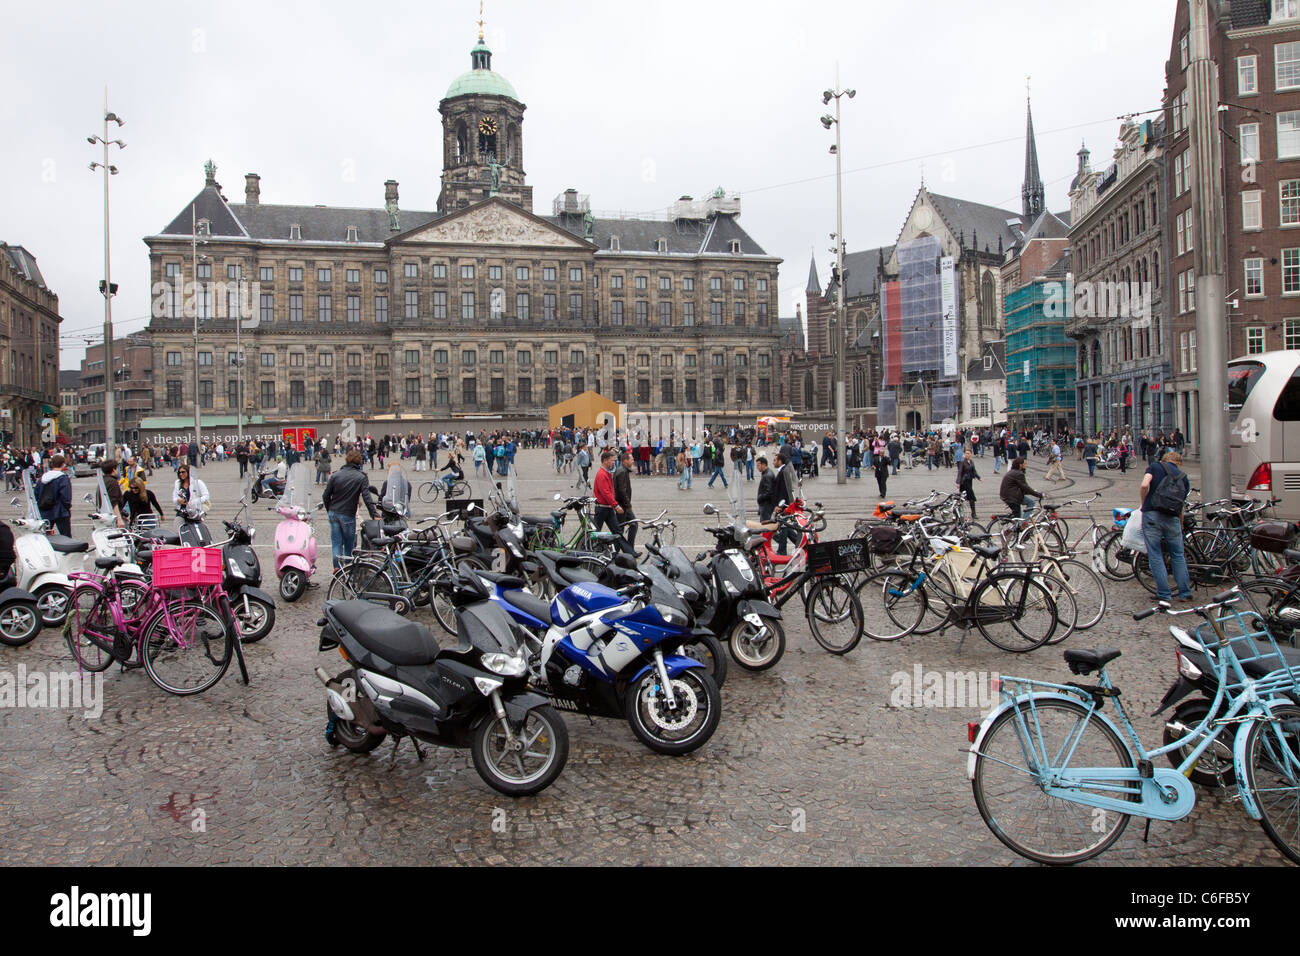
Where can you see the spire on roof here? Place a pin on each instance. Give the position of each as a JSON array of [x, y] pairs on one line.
[[1032, 194], [814, 284]]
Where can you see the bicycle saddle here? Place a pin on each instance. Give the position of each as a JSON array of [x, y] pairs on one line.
[[989, 551], [1085, 662], [107, 564]]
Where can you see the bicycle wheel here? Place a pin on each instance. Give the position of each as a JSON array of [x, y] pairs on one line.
[[1217, 548], [1273, 776], [1009, 791], [441, 586], [189, 653], [1015, 599], [543, 539], [891, 607], [1086, 588], [941, 598], [1067, 611], [358, 577], [459, 489], [1265, 562], [428, 492], [834, 615], [1117, 560], [88, 629]]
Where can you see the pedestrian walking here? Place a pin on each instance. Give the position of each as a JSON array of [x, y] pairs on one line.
[[344, 489], [1054, 463], [1164, 493], [881, 466], [966, 478]]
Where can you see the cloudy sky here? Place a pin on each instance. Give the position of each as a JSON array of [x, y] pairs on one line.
[[633, 103]]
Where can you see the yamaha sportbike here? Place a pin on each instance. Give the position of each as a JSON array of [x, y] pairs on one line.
[[600, 651]]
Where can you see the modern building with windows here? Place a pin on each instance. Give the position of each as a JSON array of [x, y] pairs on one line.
[[1256, 46], [1118, 319], [133, 391], [479, 308]]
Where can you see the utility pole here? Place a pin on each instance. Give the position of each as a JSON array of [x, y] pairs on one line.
[[841, 476], [107, 288], [239, 352], [198, 299], [1207, 210]]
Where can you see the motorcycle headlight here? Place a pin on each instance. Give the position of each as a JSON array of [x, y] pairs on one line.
[[674, 616], [507, 665], [252, 533]]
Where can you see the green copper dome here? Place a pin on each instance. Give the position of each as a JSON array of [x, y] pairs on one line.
[[481, 80]]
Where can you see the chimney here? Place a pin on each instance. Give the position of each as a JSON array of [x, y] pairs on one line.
[[252, 189], [390, 191]]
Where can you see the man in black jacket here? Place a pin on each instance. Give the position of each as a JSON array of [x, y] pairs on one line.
[[766, 497], [784, 481], [340, 498], [1015, 485], [623, 495]]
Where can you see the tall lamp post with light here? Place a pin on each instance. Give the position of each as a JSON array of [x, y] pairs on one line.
[[828, 121], [107, 287]]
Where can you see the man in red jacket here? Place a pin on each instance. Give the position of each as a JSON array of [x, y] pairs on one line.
[[607, 506]]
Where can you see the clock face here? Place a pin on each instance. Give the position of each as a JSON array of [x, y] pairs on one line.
[[487, 126]]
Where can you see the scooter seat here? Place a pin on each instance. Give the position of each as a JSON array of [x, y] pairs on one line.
[[753, 525], [463, 543], [537, 519], [68, 545], [529, 604], [776, 558], [389, 635], [578, 575], [163, 535]]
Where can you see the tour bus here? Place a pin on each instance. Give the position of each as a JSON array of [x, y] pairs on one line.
[[1264, 428]]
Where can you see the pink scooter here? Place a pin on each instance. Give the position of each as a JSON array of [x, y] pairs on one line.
[[295, 538]]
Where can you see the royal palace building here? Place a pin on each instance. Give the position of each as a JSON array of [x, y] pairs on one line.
[[478, 309]]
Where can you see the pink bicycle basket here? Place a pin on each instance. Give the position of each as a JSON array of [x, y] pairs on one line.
[[187, 567]]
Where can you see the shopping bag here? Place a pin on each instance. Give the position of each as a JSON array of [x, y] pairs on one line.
[[1132, 536]]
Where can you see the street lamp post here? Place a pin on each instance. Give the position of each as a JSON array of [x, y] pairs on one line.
[[239, 353], [198, 300], [841, 476], [107, 288]]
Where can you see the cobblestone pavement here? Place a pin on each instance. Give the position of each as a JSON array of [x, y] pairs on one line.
[[815, 741]]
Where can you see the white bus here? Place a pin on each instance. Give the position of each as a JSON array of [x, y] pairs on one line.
[[1264, 428]]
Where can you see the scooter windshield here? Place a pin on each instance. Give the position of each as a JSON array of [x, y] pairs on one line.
[[397, 492], [33, 512], [488, 628], [298, 486]]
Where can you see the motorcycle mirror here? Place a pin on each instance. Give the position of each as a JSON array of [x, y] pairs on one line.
[[88, 497], [557, 497], [710, 510], [13, 501]]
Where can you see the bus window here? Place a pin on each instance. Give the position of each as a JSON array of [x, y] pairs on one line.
[[1242, 377], [1287, 408]]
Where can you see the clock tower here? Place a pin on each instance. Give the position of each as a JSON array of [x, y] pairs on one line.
[[482, 137]]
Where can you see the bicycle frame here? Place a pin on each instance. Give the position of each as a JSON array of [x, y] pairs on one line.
[[1163, 793]]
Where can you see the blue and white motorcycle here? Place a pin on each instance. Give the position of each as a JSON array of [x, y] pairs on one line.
[[599, 651]]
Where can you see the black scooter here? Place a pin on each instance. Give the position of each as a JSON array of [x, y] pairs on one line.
[[20, 617], [475, 695], [727, 595]]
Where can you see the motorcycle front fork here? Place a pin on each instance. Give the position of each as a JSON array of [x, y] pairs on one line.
[[664, 680]]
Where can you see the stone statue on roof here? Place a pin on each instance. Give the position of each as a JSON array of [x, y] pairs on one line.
[[495, 169], [391, 208], [588, 225]]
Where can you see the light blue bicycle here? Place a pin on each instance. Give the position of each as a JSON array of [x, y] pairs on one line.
[[1056, 780]]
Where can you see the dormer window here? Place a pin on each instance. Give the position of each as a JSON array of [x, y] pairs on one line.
[[352, 234], [205, 227], [1286, 9], [661, 245], [988, 363], [735, 247], [295, 233], [613, 244]]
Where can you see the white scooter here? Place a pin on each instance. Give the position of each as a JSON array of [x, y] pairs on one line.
[[42, 562], [108, 540]]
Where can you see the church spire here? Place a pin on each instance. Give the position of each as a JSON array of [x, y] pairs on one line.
[[1031, 193], [814, 284]]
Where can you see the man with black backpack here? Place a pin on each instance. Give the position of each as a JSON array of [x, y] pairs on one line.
[[1164, 492]]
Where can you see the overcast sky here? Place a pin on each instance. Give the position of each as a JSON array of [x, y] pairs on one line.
[[633, 103]]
